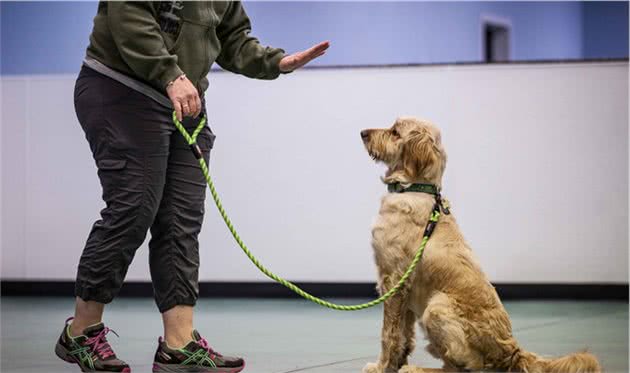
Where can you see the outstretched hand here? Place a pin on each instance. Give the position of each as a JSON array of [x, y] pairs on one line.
[[296, 60]]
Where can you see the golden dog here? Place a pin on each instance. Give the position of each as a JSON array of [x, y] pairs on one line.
[[449, 295]]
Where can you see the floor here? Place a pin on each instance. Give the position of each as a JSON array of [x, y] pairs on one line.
[[282, 336]]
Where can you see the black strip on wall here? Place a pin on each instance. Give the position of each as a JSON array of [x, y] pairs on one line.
[[462, 63], [343, 290]]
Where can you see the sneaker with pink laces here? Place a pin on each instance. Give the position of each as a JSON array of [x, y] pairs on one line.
[[196, 356], [90, 351]]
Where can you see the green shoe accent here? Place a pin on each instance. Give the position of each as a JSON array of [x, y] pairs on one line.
[[90, 351], [196, 356]]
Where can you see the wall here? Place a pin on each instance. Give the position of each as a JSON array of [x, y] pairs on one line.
[[50, 37], [537, 172], [44, 37], [50, 193], [418, 32], [602, 20]]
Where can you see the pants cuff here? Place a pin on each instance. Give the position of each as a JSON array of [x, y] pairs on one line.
[[167, 305], [92, 294]]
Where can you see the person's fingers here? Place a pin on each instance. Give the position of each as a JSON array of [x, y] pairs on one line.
[[186, 107], [309, 55], [191, 101], [195, 101], [319, 55], [198, 102], [308, 59], [193, 105], [178, 110], [319, 47], [299, 59]]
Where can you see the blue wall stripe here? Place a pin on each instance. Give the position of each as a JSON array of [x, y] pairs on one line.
[[50, 37]]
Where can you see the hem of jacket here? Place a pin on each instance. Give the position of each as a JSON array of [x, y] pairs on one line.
[[128, 81]]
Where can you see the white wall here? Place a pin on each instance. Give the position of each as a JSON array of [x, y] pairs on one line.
[[537, 172]]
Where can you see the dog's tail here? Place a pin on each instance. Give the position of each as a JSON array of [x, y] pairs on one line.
[[579, 362]]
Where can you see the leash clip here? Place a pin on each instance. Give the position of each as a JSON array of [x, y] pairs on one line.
[[196, 150], [443, 205]]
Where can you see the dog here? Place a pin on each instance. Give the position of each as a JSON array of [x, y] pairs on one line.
[[448, 294]]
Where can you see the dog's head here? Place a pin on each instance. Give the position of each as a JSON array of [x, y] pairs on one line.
[[411, 149]]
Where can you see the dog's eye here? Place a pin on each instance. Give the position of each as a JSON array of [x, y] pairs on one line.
[[395, 133]]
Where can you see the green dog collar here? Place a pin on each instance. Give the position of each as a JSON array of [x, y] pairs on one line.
[[422, 188]]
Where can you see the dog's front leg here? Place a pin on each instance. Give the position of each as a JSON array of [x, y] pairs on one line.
[[394, 348], [409, 332], [393, 338]]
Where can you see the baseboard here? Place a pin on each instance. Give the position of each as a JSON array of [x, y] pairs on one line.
[[618, 292]]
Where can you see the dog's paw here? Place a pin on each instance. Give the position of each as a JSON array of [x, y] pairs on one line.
[[372, 368], [410, 369]]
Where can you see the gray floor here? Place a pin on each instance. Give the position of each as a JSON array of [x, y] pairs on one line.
[[281, 336]]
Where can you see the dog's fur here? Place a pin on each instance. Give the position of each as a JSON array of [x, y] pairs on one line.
[[449, 295]]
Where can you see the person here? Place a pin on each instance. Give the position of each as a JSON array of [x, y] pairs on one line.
[[144, 60]]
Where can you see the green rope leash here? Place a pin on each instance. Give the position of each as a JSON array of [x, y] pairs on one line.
[[192, 141]]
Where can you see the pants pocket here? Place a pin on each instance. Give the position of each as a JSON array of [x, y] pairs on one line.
[[206, 139]]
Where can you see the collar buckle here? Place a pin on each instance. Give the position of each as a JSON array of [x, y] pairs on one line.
[[395, 188]]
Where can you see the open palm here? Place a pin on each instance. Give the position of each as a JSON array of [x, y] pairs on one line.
[[296, 60]]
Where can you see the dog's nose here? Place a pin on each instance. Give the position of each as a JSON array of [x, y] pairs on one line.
[[364, 134]]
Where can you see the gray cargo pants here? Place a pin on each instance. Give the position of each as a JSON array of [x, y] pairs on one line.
[[151, 180]]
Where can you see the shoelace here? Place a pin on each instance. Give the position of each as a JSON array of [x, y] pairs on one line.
[[99, 343], [206, 346]]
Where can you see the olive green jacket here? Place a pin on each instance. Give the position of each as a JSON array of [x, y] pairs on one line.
[[156, 42]]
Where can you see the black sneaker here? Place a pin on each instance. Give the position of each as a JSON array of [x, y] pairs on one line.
[[196, 356], [90, 351]]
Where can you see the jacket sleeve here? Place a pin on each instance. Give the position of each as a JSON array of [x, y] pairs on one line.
[[135, 30], [242, 53]]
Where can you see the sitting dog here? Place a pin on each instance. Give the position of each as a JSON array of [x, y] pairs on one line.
[[448, 294]]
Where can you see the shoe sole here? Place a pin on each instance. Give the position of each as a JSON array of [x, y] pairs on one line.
[[64, 355], [176, 368]]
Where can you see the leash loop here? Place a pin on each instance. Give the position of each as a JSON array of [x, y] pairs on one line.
[[435, 215], [192, 140]]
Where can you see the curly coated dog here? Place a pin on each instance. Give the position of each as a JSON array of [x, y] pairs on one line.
[[450, 297]]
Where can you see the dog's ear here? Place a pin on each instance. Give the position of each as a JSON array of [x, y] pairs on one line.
[[421, 157]]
